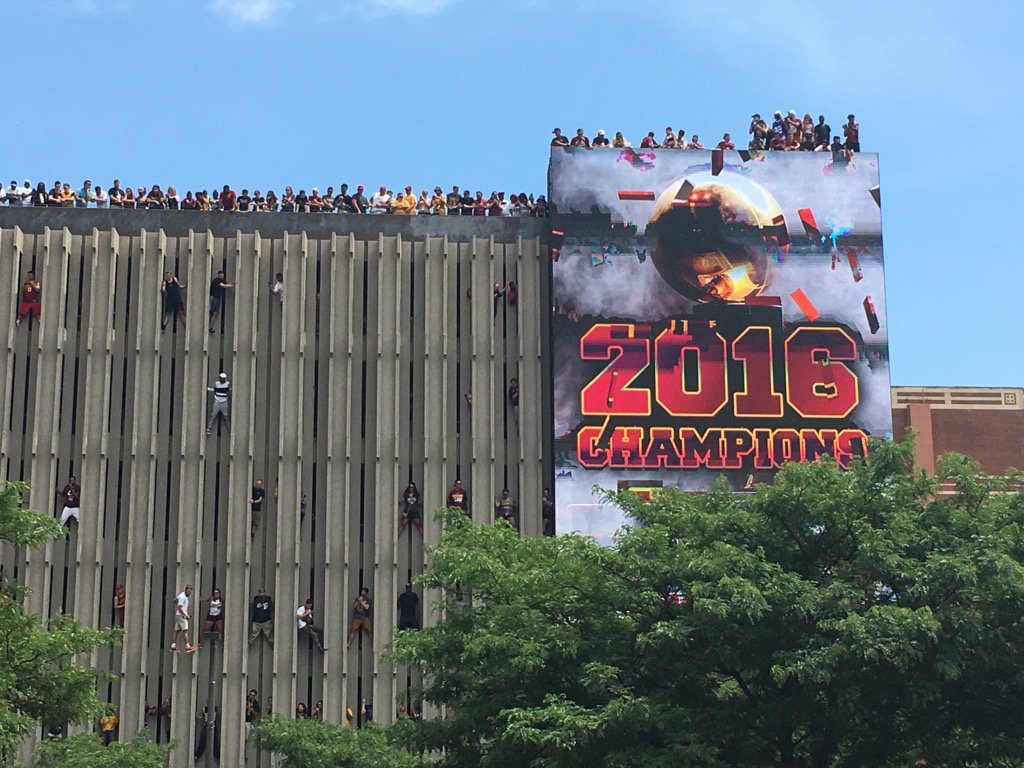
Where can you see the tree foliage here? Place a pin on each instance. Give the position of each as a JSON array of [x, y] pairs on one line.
[[40, 678], [856, 618], [316, 744], [86, 750]]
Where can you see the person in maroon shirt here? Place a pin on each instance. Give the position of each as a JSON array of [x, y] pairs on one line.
[[726, 142], [851, 130], [228, 199], [649, 142], [480, 205], [458, 497], [30, 294], [579, 140], [70, 495]]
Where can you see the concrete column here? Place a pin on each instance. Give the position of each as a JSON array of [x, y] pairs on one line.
[[533, 340], [386, 440], [48, 353], [292, 397], [919, 418], [146, 408], [337, 519], [95, 444], [244, 352]]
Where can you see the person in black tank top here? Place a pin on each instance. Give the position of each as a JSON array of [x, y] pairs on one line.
[[174, 302], [412, 512], [214, 616]]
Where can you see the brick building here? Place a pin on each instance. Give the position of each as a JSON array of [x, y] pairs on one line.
[[984, 422]]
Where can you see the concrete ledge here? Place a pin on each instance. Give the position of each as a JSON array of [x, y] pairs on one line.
[[82, 221]]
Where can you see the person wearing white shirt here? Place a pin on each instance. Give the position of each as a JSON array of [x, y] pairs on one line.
[[181, 619], [99, 198], [221, 402], [14, 195], [304, 620], [26, 193], [277, 287], [380, 202]]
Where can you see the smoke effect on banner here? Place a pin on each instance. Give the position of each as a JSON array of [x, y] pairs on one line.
[[715, 313]]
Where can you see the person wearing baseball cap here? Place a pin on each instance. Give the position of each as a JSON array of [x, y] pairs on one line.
[[221, 402], [359, 201], [758, 131], [600, 140], [405, 204], [559, 140]]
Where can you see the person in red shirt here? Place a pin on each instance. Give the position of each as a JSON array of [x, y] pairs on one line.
[[228, 199], [480, 205], [458, 497], [649, 142], [579, 140], [852, 133], [726, 142], [31, 291]]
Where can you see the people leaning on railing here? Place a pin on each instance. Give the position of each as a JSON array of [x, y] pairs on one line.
[[405, 203], [789, 133]]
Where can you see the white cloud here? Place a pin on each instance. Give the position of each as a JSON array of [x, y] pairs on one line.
[[252, 11], [259, 12], [415, 6], [92, 7]]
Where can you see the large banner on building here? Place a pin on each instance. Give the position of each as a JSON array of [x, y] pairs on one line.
[[715, 314]]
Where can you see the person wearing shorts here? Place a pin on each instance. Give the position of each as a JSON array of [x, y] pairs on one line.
[[361, 610], [214, 616], [506, 508], [413, 512], [181, 619], [218, 290], [31, 291]]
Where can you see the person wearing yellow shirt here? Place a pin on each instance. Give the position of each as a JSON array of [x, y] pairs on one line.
[[108, 726], [438, 203], [67, 197], [405, 203]]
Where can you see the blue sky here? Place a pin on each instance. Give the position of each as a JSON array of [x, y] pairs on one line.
[[264, 93]]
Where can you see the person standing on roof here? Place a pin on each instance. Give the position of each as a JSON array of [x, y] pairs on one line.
[[221, 402]]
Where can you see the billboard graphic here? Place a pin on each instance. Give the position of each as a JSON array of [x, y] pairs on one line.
[[715, 313]]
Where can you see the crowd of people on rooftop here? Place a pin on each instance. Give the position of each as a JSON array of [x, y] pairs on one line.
[[457, 202], [784, 133]]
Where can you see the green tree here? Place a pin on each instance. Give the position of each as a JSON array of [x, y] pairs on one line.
[[316, 744], [857, 618], [86, 750], [39, 676]]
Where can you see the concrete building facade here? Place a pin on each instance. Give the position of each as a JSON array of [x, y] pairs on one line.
[[388, 360]]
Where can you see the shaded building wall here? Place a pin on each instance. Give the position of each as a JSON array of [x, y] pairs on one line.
[[986, 423], [351, 387]]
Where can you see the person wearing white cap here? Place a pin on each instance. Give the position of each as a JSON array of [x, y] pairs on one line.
[[600, 140], [221, 400]]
